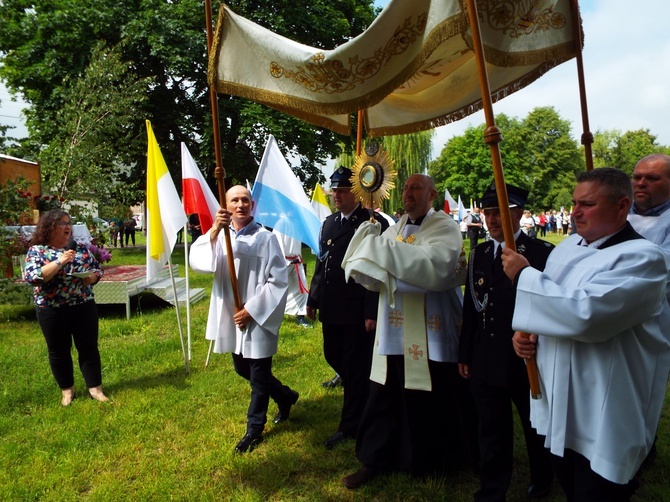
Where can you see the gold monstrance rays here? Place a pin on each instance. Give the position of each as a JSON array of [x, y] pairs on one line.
[[373, 176]]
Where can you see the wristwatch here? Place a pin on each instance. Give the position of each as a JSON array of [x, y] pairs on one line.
[[60, 265]]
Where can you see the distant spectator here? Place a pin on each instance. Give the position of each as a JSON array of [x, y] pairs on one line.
[[194, 226], [475, 226], [527, 223], [113, 233], [542, 223], [566, 221], [129, 229]]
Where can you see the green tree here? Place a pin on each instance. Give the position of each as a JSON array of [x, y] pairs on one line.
[[630, 147], [4, 139], [410, 154], [464, 165], [537, 153], [603, 145], [45, 42], [92, 145], [551, 156]]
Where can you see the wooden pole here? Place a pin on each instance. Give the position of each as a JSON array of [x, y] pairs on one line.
[[219, 172], [587, 137], [359, 133], [492, 137]]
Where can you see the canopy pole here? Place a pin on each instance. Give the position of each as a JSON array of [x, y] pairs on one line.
[[587, 137], [219, 172], [492, 137], [359, 133]]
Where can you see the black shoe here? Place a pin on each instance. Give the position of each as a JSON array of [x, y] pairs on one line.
[[249, 442], [336, 381], [285, 409], [360, 477], [537, 492], [300, 321], [337, 438]]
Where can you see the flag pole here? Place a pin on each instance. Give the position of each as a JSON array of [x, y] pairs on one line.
[[188, 293], [176, 306], [492, 137], [219, 172]]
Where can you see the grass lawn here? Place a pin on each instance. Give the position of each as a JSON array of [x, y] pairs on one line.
[[169, 435]]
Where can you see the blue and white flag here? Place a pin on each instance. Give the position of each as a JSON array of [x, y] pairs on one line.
[[462, 213], [281, 200]]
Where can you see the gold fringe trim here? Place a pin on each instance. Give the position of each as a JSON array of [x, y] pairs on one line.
[[317, 113]]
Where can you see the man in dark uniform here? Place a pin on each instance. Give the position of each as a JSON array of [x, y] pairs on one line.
[[347, 311], [486, 356]]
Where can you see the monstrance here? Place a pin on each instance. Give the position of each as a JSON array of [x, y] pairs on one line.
[[372, 176]]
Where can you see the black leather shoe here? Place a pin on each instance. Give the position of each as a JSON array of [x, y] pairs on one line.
[[302, 322], [535, 492], [249, 442], [285, 409], [336, 381], [360, 477], [337, 438]]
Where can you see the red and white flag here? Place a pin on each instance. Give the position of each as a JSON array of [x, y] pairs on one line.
[[449, 202], [196, 194]]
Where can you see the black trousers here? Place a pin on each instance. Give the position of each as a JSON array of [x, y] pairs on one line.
[[264, 385], [474, 238], [412, 430], [130, 235], [60, 327], [496, 439], [581, 484], [348, 350]]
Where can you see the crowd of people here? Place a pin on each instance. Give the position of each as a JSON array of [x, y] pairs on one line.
[[559, 222], [430, 345]]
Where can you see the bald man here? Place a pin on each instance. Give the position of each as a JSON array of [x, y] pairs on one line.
[[649, 213], [251, 334], [418, 266]]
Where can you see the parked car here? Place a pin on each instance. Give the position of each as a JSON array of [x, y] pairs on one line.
[[101, 224]]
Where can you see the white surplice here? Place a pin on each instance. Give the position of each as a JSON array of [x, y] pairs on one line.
[[262, 284], [603, 351], [657, 230], [419, 281]]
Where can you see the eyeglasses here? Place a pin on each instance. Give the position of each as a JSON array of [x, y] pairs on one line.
[[64, 224]]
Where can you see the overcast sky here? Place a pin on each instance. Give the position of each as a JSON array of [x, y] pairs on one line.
[[627, 67]]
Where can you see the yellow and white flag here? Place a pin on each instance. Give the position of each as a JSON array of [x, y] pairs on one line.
[[165, 214], [320, 203]]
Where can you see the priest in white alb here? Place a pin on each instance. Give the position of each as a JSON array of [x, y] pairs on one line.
[[418, 266]]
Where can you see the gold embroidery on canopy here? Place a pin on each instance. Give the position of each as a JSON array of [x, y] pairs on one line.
[[517, 19], [333, 76]]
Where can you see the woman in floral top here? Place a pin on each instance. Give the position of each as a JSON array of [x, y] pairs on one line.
[[64, 302]]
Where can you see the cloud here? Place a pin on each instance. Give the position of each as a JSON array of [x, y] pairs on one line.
[[627, 70]]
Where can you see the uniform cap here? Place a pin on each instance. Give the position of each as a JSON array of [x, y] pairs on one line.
[[340, 178], [515, 195]]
